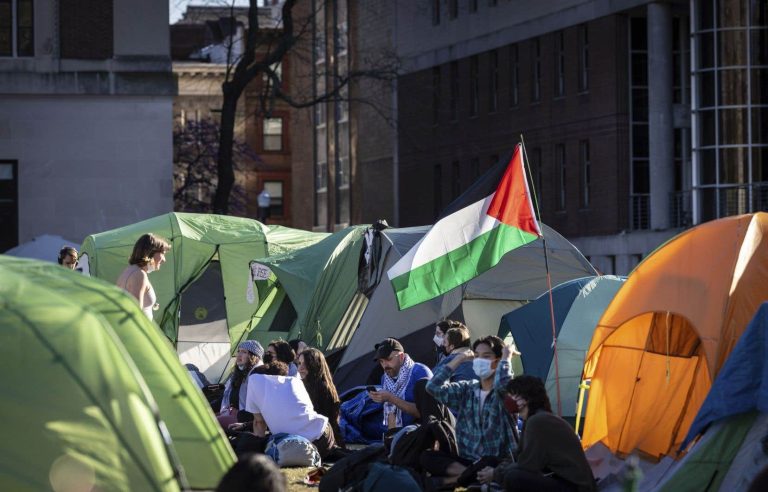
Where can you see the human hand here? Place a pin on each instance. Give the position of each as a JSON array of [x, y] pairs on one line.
[[507, 352], [466, 356], [485, 475], [380, 396]]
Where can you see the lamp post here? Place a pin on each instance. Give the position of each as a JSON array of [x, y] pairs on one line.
[[264, 200]]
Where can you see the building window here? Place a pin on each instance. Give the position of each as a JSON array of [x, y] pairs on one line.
[[453, 9], [9, 205], [639, 194], [536, 73], [436, 95], [472, 6], [436, 12], [454, 91], [272, 132], [437, 190], [474, 169], [584, 172], [455, 180], [493, 80], [559, 64], [493, 3], [275, 190], [583, 58], [474, 85], [535, 165], [16, 28], [560, 176], [514, 76]]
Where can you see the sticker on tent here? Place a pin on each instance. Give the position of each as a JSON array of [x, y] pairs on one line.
[[260, 272]]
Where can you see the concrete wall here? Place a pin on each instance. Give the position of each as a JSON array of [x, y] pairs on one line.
[[141, 28], [422, 44], [88, 164]]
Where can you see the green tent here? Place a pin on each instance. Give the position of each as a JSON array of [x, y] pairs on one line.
[[95, 391], [309, 291], [200, 290], [196, 437]]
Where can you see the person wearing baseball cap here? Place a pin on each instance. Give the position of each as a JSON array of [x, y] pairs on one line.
[[397, 383], [249, 355]]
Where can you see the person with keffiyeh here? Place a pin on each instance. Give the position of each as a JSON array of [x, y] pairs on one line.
[[397, 383]]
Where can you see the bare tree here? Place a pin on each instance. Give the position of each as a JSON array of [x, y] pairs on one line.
[[195, 150], [265, 48]]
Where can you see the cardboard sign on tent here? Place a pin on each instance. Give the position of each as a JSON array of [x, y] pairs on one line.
[[578, 305], [668, 331], [97, 389], [519, 278], [207, 335]]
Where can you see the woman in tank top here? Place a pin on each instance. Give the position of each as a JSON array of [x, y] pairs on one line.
[[148, 254]]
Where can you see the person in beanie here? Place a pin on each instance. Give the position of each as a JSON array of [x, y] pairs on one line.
[[249, 355]]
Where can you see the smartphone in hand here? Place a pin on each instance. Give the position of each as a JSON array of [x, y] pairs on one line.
[[371, 388]]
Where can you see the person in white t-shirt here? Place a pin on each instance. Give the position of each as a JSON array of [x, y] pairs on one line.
[[281, 403]]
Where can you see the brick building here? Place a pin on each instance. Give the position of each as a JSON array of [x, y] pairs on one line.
[[200, 43], [627, 141]]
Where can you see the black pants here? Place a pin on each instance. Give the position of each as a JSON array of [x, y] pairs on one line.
[[428, 407], [519, 479]]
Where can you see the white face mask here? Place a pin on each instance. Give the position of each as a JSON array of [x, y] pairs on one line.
[[482, 368], [438, 340], [241, 366]]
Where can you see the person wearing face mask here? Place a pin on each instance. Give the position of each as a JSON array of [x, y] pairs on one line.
[[439, 339], [249, 355], [455, 342], [484, 430], [280, 350], [550, 456], [316, 375], [147, 256]]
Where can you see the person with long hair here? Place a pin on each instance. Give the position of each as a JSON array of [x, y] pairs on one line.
[[314, 371], [249, 355], [147, 257], [550, 456]]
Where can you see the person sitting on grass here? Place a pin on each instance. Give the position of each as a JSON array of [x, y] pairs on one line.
[[281, 404], [316, 375], [484, 430], [550, 456]]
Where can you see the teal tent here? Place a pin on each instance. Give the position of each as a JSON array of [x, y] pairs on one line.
[[92, 388], [577, 305]]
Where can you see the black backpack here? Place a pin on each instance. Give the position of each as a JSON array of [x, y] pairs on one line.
[[406, 448], [352, 469]]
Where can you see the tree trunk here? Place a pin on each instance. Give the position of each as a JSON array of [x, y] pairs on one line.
[[224, 169]]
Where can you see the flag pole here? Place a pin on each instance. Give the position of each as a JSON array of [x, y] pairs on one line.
[[549, 281]]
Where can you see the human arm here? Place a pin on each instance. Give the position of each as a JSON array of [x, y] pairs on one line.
[[387, 397], [259, 425], [503, 370], [137, 286]]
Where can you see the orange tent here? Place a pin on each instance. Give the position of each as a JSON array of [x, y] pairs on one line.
[[668, 331]]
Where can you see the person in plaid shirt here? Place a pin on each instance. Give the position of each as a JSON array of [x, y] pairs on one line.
[[484, 430]]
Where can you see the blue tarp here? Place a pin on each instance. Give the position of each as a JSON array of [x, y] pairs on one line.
[[742, 384]]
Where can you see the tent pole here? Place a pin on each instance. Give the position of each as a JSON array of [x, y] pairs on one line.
[[549, 285]]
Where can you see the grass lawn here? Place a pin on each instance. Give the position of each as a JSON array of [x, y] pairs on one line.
[[295, 477]]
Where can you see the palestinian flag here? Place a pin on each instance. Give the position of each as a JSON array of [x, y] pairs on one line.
[[468, 242]]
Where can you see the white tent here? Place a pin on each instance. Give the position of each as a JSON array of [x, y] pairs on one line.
[[45, 248], [519, 278]]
